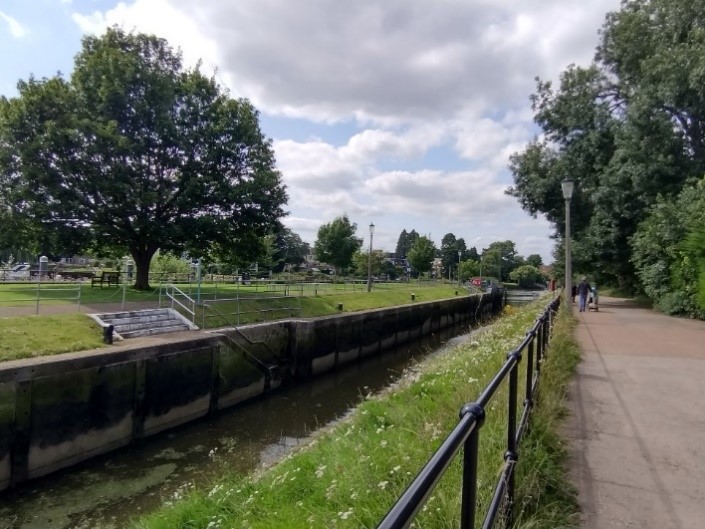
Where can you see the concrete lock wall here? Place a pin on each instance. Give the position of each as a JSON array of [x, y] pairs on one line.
[[58, 411]]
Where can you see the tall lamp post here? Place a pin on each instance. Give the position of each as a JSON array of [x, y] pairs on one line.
[[459, 254], [567, 186], [369, 260]]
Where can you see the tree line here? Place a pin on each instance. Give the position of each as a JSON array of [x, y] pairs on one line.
[[629, 129], [337, 244]]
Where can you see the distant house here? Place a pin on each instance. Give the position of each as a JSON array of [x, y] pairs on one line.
[[401, 262]]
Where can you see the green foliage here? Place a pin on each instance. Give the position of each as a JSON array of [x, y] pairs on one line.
[[469, 269], [627, 129], [164, 263], [360, 263], [450, 246], [421, 254], [337, 243], [404, 243], [136, 153], [526, 276], [668, 254], [500, 258], [290, 250], [544, 496], [534, 260]]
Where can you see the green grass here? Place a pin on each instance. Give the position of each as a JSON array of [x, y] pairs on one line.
[[266, 305], [353, 471], [32, 336], [545, 498]]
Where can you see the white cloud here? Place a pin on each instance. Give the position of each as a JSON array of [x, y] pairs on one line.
[[410, 75], [17, 30]]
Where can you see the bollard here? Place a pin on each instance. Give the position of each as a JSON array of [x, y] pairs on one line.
[[108, 334], [456, 292], [413, 296], [340, 306]]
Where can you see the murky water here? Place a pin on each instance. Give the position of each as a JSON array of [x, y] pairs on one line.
[[107, 491]]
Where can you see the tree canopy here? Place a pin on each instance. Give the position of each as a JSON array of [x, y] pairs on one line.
[[404, 243], [627, 129], [421, 254], [134, 152], [337, 243]]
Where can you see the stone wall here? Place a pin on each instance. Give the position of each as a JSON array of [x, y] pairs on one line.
[[57, 411]]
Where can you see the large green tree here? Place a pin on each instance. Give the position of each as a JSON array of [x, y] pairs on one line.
[[290, 249], [628, 128], [142, 153], [500, 258], [337, 243], [421, 254]]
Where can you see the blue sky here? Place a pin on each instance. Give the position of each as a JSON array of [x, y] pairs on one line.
[[398, 112]]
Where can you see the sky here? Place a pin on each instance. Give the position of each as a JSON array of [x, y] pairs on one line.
[[400, 113]]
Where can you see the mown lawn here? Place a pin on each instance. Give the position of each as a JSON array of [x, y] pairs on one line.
[[32, 336]]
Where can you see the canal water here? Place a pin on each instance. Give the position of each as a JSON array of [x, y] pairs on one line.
[[107, 491]]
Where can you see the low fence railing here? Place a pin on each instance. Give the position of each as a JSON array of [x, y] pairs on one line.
[[465, 436], [40, 294]]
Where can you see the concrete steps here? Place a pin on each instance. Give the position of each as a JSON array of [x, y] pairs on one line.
[[131, 324]]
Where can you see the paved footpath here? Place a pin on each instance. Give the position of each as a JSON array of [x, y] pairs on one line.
[[637, 427]]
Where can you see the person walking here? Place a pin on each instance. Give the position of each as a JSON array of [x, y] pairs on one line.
[[583, 290]]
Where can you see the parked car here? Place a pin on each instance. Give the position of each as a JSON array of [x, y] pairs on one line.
[[20, 271]]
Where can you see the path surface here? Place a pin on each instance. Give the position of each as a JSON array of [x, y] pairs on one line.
[[637, 428]]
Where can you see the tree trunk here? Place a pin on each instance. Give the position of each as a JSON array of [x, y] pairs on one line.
[[142, 257]]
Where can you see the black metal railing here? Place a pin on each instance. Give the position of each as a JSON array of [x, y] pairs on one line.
[[466, 435]]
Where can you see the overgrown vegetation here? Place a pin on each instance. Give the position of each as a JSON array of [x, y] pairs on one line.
[[351, 473], [545, 498]]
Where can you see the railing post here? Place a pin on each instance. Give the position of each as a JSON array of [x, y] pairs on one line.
[[547, 335], [511, 456], [539, 345], [470, 455], [530, 372], [39, 283]]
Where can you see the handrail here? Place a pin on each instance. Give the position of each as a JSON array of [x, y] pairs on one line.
[[466, 434], [169, 291]]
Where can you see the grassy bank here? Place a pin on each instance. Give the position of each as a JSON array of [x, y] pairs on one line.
[[30, 336], [544, 497], [352, 472]]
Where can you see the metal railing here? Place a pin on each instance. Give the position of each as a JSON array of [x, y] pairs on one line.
[[39, 293], [465, 435], [174, 296]]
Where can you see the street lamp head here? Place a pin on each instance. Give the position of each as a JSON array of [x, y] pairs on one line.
[[372, 229], [567, 186]]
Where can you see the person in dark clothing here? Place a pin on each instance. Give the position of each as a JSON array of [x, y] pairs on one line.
[[574, 292], [583, 290]]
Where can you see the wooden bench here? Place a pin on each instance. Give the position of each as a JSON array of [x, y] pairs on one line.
[[108, 278]]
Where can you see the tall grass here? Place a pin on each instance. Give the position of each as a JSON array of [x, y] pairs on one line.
[[545, 498], [352, 472]]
